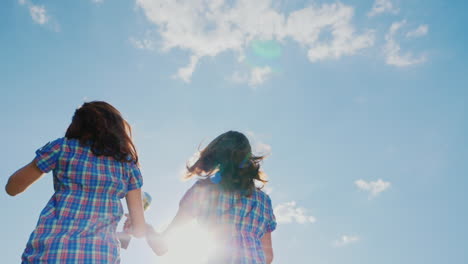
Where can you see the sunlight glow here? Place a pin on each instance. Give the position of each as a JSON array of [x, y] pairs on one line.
[[189, 244]]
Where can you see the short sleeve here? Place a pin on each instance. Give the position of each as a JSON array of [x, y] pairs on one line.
[[135, 179], [269, 216], [47, 156], [188, 203]]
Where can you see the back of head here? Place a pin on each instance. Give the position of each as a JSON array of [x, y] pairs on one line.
[[230, 154], [101, 126]]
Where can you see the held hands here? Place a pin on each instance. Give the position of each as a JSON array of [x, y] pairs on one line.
[[125, 236], [154, 239], [127, 228]]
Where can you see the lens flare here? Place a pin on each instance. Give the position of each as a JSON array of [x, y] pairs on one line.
[[267, 49], [263, 55], [189, 244]]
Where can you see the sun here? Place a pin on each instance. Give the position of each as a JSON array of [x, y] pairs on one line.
[[189, 244]]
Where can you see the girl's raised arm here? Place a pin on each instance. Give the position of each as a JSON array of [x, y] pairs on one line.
[[23, 178], [135, 209]]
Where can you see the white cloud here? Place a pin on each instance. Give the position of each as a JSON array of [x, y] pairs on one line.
[[306, 25], [209, 27], [289, 212], [345, 240], [392, 49], [420, 31], [38, 14], [382, 6], [262, 148], [186, 72], [145, 44], [258, 146], [373, 187], [259, 75], [254, 77]]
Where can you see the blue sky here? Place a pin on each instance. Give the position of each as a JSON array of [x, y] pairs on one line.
[[361, 104]]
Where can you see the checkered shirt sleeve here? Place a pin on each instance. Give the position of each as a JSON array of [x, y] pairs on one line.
[[47, 156], [135, 180], [270, 216]]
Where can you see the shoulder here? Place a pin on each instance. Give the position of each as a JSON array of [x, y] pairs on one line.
[[262, 195], [72, 145], [72, 142], [194, 192], [57, 142], [202, 184], [53, 145]]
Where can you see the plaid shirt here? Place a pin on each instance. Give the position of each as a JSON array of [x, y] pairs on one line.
[[78, 223], [238, 222]]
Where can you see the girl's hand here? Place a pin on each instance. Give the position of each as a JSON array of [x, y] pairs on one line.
[[156, 241], [128, 225]]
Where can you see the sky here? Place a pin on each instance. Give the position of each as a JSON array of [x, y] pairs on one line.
[[361, 107]]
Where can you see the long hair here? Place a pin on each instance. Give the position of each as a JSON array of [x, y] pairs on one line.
[[101, 126], [231, 155]]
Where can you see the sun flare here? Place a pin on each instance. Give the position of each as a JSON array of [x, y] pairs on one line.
[[189, 244]]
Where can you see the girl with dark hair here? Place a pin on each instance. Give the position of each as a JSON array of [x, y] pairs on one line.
[[94, 166], [226, 202]]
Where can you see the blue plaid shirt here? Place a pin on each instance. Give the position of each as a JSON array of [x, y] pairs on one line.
[[78, 223], [239, 222]]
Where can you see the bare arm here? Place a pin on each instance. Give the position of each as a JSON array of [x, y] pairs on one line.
[[267, 247], [180, 219], [157, 242], [23, 178], [135, 209]]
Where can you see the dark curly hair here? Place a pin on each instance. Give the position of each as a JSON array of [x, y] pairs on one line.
[[231, 155], [101, 126]]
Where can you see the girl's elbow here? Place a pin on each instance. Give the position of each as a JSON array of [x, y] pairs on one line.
[[11, 191]]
